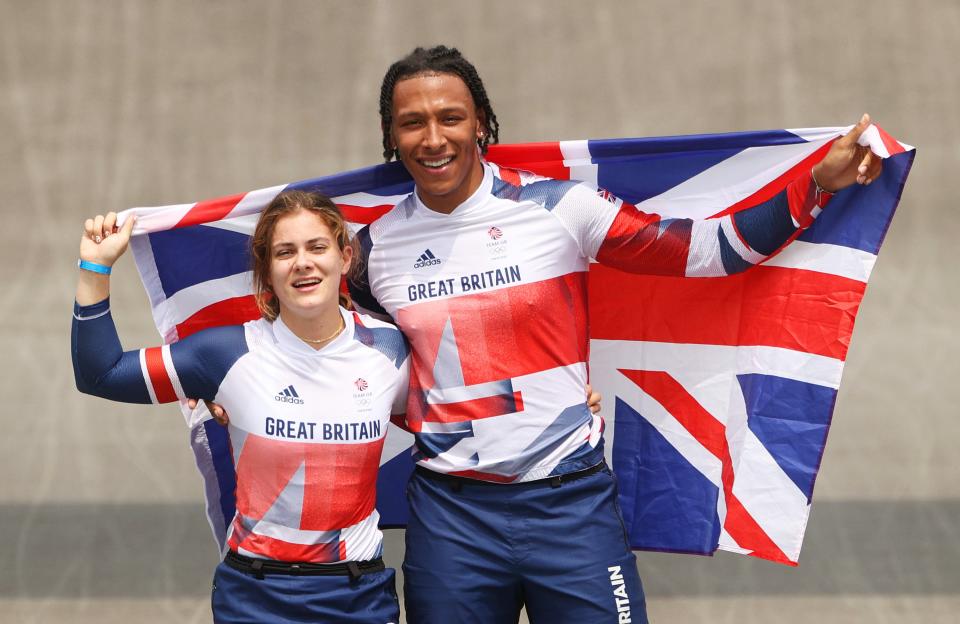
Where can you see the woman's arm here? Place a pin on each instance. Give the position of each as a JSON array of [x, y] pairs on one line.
[[195, 365], [101, 244], [100, 367]]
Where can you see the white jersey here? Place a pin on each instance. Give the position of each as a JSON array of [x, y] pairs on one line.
[[306, 426], [493, 299]]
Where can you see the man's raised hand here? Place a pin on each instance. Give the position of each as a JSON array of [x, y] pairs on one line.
[[848, 161]]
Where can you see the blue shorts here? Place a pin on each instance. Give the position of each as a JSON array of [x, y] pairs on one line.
[[240, 597], [480, 552]]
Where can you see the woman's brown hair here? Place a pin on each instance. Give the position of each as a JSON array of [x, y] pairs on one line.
[[287, 203]]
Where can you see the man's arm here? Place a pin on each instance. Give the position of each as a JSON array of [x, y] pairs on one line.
[[639, 242]]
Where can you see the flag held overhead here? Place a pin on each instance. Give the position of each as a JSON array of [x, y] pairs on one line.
[[721, 388]]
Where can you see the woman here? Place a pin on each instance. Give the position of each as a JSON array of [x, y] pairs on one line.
[[309, 387]]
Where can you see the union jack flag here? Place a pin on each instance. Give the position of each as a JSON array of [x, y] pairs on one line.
[[722, 389]]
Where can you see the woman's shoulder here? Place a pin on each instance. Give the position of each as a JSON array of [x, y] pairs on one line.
[[365, 320], [381, 336], [257, 333], [233, 339]]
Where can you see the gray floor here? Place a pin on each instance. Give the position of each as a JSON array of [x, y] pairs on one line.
[[110, 104]]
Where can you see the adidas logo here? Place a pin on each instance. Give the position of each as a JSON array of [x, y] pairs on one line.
[[289, 395], [426, 259]]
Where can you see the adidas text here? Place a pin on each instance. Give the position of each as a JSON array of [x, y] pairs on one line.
[[289, 395], [426, 259]]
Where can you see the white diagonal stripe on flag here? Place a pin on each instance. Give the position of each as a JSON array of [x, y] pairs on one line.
[[728, 182], [188, 301], [848, 262], [255, 201]]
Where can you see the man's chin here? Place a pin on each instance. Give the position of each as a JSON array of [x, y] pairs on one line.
[[434, 192]]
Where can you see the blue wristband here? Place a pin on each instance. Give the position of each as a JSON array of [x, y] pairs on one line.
[[94, 267]]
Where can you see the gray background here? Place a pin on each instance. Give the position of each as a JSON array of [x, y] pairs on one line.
[[105, 105]]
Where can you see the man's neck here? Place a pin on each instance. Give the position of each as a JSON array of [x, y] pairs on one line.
[[446, 204]]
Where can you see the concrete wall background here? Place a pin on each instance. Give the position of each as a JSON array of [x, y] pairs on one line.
[[110, 104]]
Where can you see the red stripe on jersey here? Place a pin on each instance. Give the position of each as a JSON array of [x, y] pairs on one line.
[[364, 214], [210, 210], [280, 550], [802, 199], [475, 409], [503, 333], [510, 176], [799, 173], [549, 169], [341, 485], [773, 306], [634, 239], [483, 476], [339, 488], [712, 435], [234, 311], [343, 551], [237, 533], [159, 379], [893, 146]]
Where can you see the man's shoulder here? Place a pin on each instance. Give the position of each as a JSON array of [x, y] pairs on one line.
[[524, 186], [401, 212]]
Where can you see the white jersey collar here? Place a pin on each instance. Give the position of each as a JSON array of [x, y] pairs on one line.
[[477, 199], [288, 341]]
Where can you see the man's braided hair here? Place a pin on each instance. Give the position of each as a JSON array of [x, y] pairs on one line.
[[436, 60]]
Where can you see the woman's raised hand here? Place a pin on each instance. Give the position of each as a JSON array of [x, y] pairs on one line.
[[102, 241]]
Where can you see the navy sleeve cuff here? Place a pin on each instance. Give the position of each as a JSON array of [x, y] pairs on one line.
[[84, 313]]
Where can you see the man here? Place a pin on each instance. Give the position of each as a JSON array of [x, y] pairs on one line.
[[484, 270]]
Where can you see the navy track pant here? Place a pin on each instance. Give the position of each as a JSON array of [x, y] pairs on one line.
[[240, 598], [478, 553]]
